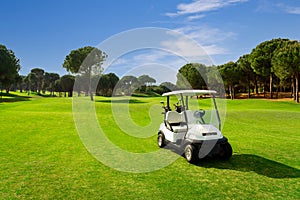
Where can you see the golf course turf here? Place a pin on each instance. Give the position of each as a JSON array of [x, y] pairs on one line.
[[42, 156]]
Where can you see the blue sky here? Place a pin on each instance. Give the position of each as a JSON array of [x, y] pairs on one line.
[[42, 33]]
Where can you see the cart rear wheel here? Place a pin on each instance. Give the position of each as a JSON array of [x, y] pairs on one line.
[[161, 142]]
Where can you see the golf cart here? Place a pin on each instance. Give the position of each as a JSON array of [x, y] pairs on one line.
[[194, 131]]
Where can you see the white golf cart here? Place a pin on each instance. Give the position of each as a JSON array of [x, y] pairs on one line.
[[194, 131]]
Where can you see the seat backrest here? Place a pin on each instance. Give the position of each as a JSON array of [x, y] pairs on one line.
[[174, 117]]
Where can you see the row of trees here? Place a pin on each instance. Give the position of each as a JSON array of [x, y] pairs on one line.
[[40, 81], [83, 62], [272, 65], [85, 65]]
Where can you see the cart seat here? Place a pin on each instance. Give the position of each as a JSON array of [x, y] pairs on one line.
[[179, 129], [175, 122]]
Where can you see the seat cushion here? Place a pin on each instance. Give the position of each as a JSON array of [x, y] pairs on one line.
[[178, 129]]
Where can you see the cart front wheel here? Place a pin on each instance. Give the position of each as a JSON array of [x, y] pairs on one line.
[[226, 151], [191, 153]]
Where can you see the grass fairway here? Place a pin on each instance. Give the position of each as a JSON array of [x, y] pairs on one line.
[[41, 155]]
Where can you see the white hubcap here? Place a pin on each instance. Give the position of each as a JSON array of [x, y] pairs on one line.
[[188, 154], [160, 141]]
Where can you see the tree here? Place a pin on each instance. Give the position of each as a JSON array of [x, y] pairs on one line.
[[214, 80], [9, 67], [127, 84], [27, 84], [106, 84], [49, 81], [261, 59], [67, 84], [21, 82], [287, 62], [164, 87], [168, 86], [192, 75], [57, 87], [85, 61], [144, 82], [230, 75], [81, 84], [39, 73], [31, 81], [245, 67]]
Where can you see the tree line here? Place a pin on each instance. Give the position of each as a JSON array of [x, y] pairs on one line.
[[38, 81], [271, 67], [85, 66]]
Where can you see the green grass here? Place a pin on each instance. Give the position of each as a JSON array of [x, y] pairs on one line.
[[13, 97], [41, 155]]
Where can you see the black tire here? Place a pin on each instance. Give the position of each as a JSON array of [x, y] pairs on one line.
[[161, 141], [226, 151], [191, 153]]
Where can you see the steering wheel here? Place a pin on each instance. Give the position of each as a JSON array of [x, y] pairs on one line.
[[178, 107], [199, 113]]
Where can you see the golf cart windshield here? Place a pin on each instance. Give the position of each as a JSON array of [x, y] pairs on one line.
[[196, 106]]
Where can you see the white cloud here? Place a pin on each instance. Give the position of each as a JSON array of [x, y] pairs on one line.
[[290, 9], [190, 18], [171, 14], [149, 57], [205, 35], [193, 52], [271, 7], [193, 43], [184, 48], [215, 50], [159, 64], [201, 6], [210, 40], [294, 10], [176, 48], [120, 61]]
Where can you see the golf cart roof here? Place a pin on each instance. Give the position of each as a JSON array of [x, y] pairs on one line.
[[189, 92]]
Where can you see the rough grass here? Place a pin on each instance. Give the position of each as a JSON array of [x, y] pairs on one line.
[[41, 155]]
